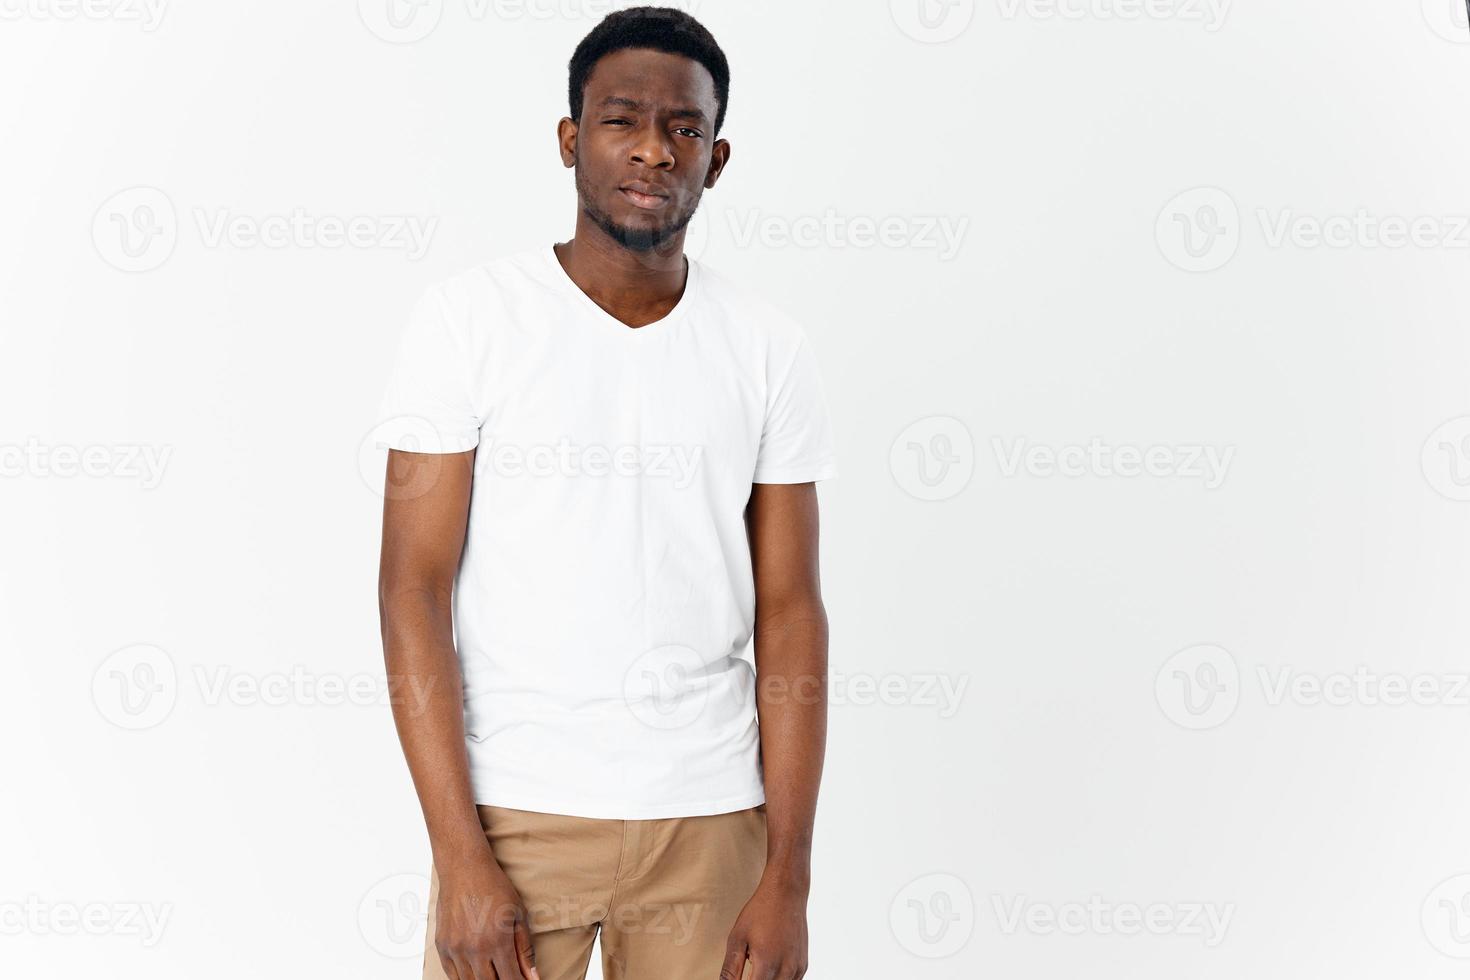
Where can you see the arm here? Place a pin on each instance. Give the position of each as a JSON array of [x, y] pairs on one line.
[[480, 918], [791, 701]]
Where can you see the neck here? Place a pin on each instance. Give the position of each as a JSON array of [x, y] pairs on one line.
[[636, 287]]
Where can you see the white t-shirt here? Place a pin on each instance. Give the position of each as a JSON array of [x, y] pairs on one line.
[[605, 596]]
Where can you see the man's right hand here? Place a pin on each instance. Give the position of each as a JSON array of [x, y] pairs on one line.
[[482, 932]]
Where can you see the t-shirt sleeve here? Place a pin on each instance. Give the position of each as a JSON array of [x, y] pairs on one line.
[[796, 441], [427, 406]]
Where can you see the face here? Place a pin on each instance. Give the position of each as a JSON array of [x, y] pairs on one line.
[[644, 149]]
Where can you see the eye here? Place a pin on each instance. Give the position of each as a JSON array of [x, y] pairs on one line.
[[615, 122], [690, 133]]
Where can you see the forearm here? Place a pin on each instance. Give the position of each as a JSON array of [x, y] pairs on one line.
[[791, 699], [428, 710]]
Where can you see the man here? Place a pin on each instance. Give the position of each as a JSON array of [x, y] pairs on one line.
[[601, 486]]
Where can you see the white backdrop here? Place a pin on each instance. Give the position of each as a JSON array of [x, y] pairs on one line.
[[1144, 329]]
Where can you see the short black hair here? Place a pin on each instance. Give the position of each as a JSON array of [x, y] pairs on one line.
[[664, 29]]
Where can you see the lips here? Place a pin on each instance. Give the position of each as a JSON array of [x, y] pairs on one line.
[[642, 194]]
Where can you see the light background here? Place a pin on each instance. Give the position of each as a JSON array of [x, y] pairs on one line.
[[1080, 764]]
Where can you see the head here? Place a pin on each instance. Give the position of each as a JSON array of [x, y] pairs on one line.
[[647, 94]]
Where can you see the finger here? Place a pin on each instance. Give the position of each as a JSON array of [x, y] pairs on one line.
[[762, 968], [506, 967], [482, 968], [450, 969], [734, 963], [449, 960], [525, 952]]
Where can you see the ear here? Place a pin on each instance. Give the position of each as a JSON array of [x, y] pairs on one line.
[[717, 160], [566, 139]]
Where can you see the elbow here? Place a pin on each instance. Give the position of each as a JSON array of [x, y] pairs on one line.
[[807, 616], [406, 599]]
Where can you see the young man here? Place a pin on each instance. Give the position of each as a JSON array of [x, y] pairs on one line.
[[601, 486]]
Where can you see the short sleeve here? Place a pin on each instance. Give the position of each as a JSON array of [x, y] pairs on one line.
[[427, 406], [796, 441]]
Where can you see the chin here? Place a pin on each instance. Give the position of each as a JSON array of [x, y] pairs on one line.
[[642, 235], [634, 228]]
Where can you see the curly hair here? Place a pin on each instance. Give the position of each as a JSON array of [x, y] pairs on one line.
[[664, 29]]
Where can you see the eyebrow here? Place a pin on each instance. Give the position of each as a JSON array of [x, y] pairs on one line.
[[681, 112]]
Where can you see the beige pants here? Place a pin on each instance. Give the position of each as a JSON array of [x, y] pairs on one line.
[[663, 893]]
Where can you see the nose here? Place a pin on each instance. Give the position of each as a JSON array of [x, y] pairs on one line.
[[651, 148]]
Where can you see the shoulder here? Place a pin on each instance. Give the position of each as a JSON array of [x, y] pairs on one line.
[[750, 312], [490, 283]]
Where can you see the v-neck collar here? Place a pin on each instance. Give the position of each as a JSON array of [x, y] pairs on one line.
[[681, 308]]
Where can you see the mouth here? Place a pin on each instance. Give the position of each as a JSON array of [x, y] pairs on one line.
[[642, 195]]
